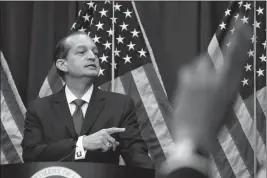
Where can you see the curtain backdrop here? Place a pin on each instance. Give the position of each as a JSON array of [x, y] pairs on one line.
[[177, 32]]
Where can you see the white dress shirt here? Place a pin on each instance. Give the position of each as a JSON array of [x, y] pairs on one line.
[[79, 151]]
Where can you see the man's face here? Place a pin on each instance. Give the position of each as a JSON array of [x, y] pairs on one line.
[[82, 60]]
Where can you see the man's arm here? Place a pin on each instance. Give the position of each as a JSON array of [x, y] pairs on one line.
[[184, 161], [132, 147], [35, 147], [201, 103]]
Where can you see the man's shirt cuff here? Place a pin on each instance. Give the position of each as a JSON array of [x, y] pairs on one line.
[[79, 151]]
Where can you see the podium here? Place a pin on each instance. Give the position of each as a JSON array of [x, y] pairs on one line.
[[73, 170]]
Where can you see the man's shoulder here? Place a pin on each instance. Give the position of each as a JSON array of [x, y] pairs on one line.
[[43, 101], [117, 101]]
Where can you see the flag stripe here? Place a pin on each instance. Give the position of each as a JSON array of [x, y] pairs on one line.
[[11, 102], [216, 57], [45, 89], [241, 141], [214, 171], [148, 133], [12, 117], [3, 158], [10, 126], [54, 80], [13, 87], [106, 86], [151, 54], [260, 118], [261, 121], [118, 86], [215, 53], [261, 96], [246, 123], [214, 50], [237, 164], [8, 148], [220, 160], [52, 83], [159, 94], [152, 108]]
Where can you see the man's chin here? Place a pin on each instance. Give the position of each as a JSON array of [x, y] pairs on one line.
[[92, 74]]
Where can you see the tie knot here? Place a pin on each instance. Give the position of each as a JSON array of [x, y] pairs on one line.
[[78, 102]]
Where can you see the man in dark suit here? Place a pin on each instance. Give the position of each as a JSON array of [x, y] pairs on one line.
[[81, 122]]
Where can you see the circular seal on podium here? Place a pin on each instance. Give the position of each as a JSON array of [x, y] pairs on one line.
[[56, 171]]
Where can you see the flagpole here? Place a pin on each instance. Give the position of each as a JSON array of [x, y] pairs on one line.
[[113, 45], [254, 92], [266, 80]]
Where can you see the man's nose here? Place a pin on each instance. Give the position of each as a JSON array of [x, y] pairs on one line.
[[91, 56]]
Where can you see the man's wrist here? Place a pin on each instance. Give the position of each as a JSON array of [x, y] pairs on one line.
[[184, 155], [80, 151], [83, 143]]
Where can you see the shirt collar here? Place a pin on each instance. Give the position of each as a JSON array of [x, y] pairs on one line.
[[71, 97]]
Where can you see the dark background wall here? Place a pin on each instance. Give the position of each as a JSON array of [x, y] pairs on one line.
[[177, 31]]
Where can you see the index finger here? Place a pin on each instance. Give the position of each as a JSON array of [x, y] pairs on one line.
[[114, 130]]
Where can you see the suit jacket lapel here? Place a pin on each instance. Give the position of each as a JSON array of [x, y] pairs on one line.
[[63, 112], [96, 105]]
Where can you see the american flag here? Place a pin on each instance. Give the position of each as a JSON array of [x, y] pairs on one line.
[[137, 75], [241, 146], [12, 117], [127, 66]]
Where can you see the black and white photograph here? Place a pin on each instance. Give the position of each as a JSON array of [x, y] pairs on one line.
[[136, 89]]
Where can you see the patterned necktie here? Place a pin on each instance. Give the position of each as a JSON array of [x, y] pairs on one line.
[[78, 115]]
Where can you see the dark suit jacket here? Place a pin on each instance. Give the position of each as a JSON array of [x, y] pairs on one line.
[[50, 135]]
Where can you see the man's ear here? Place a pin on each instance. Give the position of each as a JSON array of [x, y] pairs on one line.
[[61, 64]]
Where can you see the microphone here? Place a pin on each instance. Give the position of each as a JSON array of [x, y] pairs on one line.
[[66, 156], [75, 138]]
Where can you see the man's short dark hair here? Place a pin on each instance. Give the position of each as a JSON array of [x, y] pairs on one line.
[[62, 50]]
